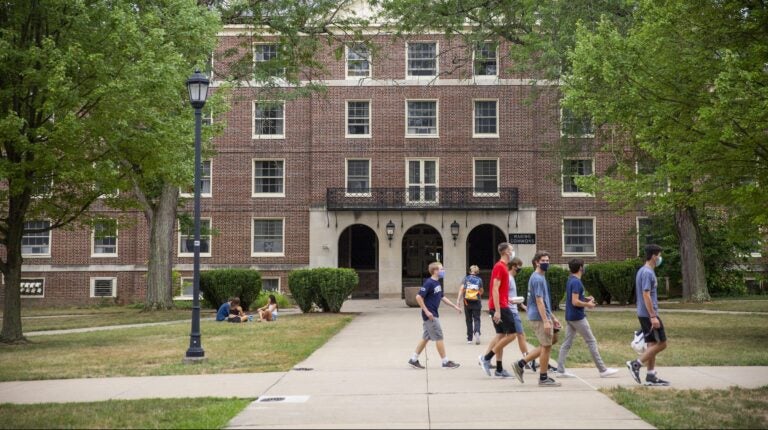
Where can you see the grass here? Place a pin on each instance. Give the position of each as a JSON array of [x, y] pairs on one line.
[[206, 413], [158, 350], [736, 408], [694, 339], [746, 304]]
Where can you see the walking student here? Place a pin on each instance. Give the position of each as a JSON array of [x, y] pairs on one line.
[[471, 290], [646, 286], [429, 298], [576, 322]]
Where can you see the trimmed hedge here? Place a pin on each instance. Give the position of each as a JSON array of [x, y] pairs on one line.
[[556, 277], [325, 287], [612, 281], [300, 282], [282, 301], [219, 285]]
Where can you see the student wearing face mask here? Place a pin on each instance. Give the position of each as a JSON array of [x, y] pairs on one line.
[[429, 298]]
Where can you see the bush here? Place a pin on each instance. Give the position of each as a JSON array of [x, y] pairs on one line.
[[219, 285], [613, 281], [521, 279], [556, 278], [592, 285], [300, 283], [327, 288], [282, 301]]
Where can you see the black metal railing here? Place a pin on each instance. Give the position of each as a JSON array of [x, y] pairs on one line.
[[420, 198]]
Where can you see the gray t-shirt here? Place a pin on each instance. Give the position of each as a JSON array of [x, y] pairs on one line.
[[646, 281], [537, 287], [512, 294]]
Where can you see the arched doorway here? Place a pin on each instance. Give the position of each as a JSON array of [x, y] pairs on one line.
[[422, 244], [481, 250], [359, 250]]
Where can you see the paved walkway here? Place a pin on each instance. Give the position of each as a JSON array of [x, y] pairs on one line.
[[360, 379]]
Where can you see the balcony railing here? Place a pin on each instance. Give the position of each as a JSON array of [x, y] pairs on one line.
[[419, 198]]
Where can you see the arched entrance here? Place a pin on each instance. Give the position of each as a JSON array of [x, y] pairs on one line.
[[359, 250], [481, 250], [422, 244]]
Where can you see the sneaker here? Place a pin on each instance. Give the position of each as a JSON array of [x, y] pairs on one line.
[[551, 368], [469, 342], [609, 372], [518, 371], [564, 374], [450, 365], [634, 369], [486, 365], [653, 380], [502, 374], [477, 338], [534, 366], [549, 382], [415, 364]]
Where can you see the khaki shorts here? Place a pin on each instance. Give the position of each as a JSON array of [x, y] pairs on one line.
[[544, 336]]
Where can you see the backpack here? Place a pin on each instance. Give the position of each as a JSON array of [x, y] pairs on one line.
[[471, 290], [638, 342]]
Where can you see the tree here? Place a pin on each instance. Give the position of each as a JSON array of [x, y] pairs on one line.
[[684, 92], [85, 86]]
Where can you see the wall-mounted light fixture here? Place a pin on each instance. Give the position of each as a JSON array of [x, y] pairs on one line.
[[390, 232], [454, 231]]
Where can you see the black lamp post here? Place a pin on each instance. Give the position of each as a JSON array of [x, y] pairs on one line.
[[390, 231], [197, 84], [454, 231]]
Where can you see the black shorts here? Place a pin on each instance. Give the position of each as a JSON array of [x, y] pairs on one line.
[[507, 323], [654, 335]]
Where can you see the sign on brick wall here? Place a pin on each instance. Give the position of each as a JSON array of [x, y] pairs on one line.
[[522, 238]]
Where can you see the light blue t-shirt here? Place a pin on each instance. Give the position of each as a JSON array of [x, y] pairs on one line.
[[512, 294], [646, 281], [538, 287]]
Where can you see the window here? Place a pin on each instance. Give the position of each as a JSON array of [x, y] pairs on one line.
[[268, 178], [105, 238], [422, 59], [358, 61], [103, 287], [358, 118], [207, 117], [187, 237], [645, 234], [205, 182], [579, 236], [42, 189], [486, 177], [359, 178], [486, 62], [486, 119], [421, 118], [572, 169], [265, 59], [573, 125], [32, 287], [36, 244], [268, 120], [267, 238], [187, 288], [422, 181], [270, 284]]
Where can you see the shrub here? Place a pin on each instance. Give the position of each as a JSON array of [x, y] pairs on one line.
[[618, 279], [556, 278], [219, 285], [592, 284], [521, 279], [282, 301], [300, 283], [325, 287]]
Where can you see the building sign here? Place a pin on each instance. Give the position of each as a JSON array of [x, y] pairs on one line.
[[522, 238]]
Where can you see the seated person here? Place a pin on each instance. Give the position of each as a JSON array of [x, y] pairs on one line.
[[223, 312], [269, 311], [236, 314]]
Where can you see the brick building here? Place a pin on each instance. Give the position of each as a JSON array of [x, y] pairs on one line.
[[413, 154]]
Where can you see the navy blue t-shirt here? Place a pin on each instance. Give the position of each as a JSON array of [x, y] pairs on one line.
[[432, 293], [574, 313]]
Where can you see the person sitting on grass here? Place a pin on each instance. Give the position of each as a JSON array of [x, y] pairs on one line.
[[236, 314], [223, 313], [269, 311]]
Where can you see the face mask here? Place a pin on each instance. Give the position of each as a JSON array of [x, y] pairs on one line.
[[658, 262], [441, 273], [512, 255], [544, 266]]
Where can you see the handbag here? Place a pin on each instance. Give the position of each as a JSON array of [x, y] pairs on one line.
[[638, 342]]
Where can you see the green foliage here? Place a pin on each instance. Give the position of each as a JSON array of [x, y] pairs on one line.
[[327, 288], [300, 283], [176, 283], [261, 301], [521, 280], [220, 285], [556, 278]]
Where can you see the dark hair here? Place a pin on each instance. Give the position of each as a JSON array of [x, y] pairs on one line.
[[272, 299], [537, 257], [651, 250], [236, 301], [575, 265], [503, 246], [516, 263]]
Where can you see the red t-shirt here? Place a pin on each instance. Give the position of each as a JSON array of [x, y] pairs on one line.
[[501, 273]]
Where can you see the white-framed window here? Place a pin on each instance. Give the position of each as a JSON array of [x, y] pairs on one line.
[[486, 59], [422, 180], [103, 287], [265, 57], [358, 174], [579, 236], [36, 243], [572, 125], [206, 182], [485, 117], [644, 233], [573, 167], [42, 189], [268, 120], [421, 59], [32, 287], [187, 237], [267, 237], [358, 57], [270, 284], [268, 178], [358, 118], [421, 118], [104, 238], [186, 290], [485, 177]]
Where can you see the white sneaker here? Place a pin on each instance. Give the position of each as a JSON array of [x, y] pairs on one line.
[[609, 372], [477, 338], [564, 374]]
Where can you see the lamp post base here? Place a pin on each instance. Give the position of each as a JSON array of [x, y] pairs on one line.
[[193, 360]]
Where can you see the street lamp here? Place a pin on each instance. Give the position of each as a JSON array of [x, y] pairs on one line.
[[197, 84], [390, 231], [454, 231]]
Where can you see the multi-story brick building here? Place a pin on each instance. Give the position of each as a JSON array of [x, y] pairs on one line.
[[412, 155]]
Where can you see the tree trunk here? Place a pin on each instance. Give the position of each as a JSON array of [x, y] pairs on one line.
[[12, 330], [160, 267], [691, 256]]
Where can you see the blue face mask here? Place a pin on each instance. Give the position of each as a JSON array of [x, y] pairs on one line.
[[544, 266], [441, 273]]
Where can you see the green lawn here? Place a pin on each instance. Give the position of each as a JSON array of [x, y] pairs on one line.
[[158, 350], [205, 413], [735, 408], [759, 304]]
